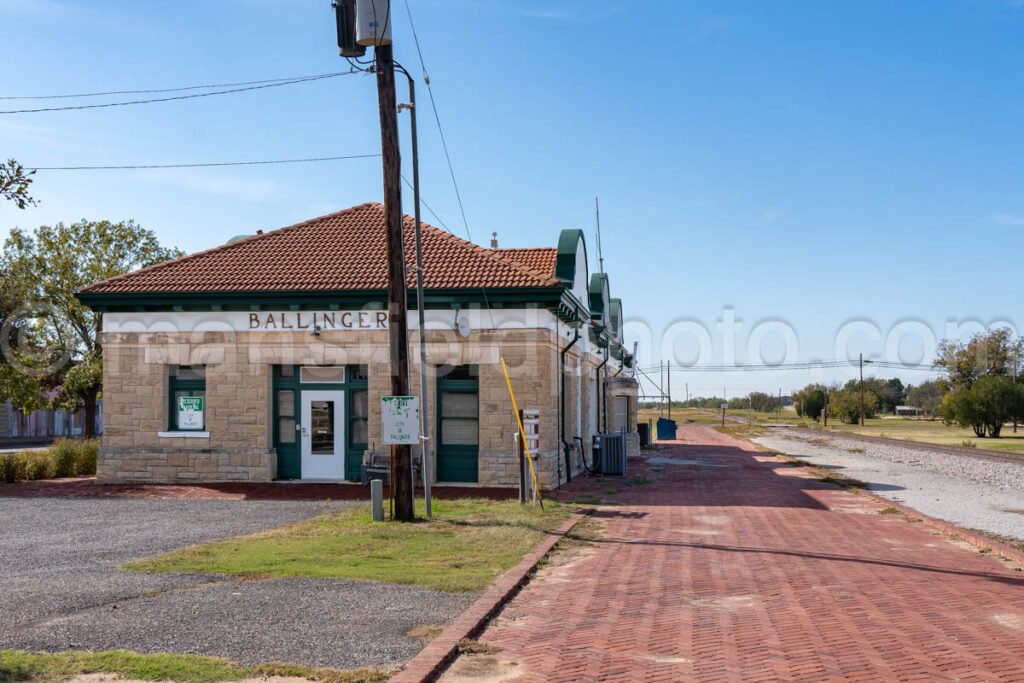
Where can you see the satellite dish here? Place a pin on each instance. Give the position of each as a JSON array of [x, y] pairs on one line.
[[463, 326]]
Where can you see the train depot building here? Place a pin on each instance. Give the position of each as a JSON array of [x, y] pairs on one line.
[[266, 358]]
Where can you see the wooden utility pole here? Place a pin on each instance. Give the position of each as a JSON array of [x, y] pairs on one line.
[[661, 388], [668, 367], [398, 326], [825, 409], [862, 390], [1016, 352]]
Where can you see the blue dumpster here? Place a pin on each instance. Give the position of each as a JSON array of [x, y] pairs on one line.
[[666, 429]]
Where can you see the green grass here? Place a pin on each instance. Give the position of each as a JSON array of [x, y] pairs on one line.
[[464, 548], [20, 665], [888, 426]]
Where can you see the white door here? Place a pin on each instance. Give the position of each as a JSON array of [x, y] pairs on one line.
[[323, 435]]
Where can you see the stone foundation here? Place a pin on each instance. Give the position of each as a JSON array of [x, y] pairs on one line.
[[177, 465]]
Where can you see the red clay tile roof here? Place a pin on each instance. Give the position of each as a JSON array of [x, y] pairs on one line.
[[541, 260], [337, 252]]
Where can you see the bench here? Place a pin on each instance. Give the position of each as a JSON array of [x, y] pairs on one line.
[[378, 466]]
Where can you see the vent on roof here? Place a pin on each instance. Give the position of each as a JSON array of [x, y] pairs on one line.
[[494, 240], [238, 238]]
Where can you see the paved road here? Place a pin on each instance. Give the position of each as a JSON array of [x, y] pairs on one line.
[[735, 567], [60, 587]]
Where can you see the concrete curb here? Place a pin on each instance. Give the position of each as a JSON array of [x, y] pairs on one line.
[[441, 651], [977, 540]]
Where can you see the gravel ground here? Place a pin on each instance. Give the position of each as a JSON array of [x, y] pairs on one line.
[[972, 493], [61, 588]]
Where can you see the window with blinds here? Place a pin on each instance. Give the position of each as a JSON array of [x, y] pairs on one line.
[[460, 418]]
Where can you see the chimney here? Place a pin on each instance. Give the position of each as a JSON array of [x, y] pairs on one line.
[[494, 240]]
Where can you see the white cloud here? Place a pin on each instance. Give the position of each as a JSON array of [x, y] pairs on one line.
[[246, 189], [32, 6], [1008, 218], [713, 25], [44, 135], [580, 14]]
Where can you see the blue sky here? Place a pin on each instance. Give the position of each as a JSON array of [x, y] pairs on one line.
[[834, 169]]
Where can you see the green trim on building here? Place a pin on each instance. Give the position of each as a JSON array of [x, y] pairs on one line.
[[615, 319], [598, 290], [289, 455]]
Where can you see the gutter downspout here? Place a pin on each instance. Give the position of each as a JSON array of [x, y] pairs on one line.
[[561, 407], [602, 398]]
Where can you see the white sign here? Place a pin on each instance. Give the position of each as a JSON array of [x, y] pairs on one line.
[[400, 420], [324, 321], [725, 406], [190, 412]]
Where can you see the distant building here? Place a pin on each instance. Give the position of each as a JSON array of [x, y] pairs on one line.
[[43, 424], [908, 411]]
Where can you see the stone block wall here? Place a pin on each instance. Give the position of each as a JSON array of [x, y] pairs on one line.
[[239, 385], [169, 465]]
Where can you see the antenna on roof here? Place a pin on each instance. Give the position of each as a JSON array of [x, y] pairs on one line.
[[600, 255]]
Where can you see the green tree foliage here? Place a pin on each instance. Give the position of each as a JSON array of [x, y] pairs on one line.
[[810, 401], [762, 402], [985, 406], [846, 403], [927, 396], [988, 353], [14, 182], [52, 355], [981, 374]]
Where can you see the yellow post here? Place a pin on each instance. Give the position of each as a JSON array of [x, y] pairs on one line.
[[522, 432]]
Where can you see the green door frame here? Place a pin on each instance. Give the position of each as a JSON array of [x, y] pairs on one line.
[[457, 462], [289, 456]]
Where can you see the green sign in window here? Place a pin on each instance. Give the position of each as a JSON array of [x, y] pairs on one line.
[[190, 413]]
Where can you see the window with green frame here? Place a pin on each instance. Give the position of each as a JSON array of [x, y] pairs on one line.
[[359, 406], [184, 380]]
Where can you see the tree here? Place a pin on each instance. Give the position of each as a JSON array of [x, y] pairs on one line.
[[810, 400], [985, 406], [14, 182], [845, 403], [762, 402], [892, 393], [54, 356], [987, 353], [928, 396]]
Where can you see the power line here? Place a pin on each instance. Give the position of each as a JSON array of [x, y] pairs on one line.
[[203, 165], [427, 207], [437, 118], [804, 365], [158, 90], [180, 97]]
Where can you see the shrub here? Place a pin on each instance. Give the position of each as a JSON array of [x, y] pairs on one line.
[[74, 458], [38, 466], [65, 458], [13, 467], [64, 454], [88, 454]]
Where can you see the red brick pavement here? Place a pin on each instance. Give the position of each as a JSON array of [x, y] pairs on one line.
[[740, 568]]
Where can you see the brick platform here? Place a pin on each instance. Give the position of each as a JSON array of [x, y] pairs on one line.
[[737, 567]]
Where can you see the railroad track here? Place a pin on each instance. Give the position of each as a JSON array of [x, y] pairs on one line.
[[978, 453]]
